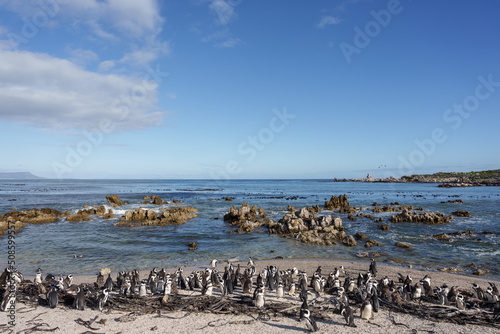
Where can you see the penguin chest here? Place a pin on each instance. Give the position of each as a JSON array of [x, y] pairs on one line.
[[279, 292], [260, 301], [367, 312]]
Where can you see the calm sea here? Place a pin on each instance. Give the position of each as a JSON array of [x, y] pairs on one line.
[[52, 246]]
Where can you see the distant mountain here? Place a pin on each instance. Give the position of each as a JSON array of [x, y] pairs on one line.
[[19, 176]]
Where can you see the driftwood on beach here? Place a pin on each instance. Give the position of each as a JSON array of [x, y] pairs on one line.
[[241, 304]]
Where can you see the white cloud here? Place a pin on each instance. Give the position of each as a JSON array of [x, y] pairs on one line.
[[106, 65], [223, 10], [49, 92], [327, 20], [229, 43], [82, 57]]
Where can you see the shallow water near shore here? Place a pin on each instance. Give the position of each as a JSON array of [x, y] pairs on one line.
[[52, 246]]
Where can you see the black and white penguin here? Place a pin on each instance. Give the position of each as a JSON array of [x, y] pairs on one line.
[[417, 291], [460, 302], [305, 314], [53, 296], [100, 280], [168, 285], [207, 288], [9, 296], [280, 292], [213, 263], [102, 299], [79, 302], [478, 291], [153, 283], [126, 286], [348, 315], [494, 290], [367, 310], [68, 281], [251, 262], [375, 300], [373, 267], [303, 281], [38, 276], [316, 282], [260, 299], [143, 289], [109, 283], [442, 296]]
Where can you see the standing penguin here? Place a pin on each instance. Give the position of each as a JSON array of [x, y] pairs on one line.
[[68, 281], [142, 289], [367, 309], [100, 280], [348, 315], [9, 297], [207, 288], [460, 302], [109, 283], [38, 276], [260, 298], [53, 296], [79, 302], [279, 290], [375, 301], [102, 299], [305, 314], [373, 267]]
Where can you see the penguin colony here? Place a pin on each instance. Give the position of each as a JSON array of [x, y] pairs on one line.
[[350, 296]]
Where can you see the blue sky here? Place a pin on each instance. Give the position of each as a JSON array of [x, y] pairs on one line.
[[248, 88]]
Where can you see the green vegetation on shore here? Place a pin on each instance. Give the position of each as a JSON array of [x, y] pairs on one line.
[[488, 176]]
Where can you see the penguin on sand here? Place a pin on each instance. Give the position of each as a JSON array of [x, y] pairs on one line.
[[38, 276], [260, 299], [9, 296], [373, 267], [53, 296], [367, 310], [109, 283], [79, 302], [305, 314], [348, 315], [102, 299]]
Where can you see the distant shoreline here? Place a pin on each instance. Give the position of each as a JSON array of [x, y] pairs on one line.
[[445, 180]]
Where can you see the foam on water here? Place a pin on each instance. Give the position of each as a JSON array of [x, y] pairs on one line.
[[106, 245]]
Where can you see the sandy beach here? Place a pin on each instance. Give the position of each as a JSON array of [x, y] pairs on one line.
[[63, 319]]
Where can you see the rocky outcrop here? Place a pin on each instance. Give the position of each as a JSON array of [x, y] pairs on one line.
[[370, 243], [349, 240], [306, 227], [114, 200], [461, 213], [172, 216], [406, 245], [426, 218], [384, 227], [18, 219], [33, 216], [360, 236], [246, 218], [337, 202], [80, 216]]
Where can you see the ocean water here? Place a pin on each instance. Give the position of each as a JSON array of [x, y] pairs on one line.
[[52, 246]]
